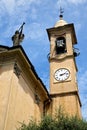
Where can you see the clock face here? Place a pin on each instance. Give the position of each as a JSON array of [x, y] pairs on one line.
[[62, 74]]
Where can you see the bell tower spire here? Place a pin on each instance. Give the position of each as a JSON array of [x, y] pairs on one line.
[[63, 68]]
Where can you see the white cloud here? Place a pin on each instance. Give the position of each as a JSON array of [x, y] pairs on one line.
[[64, 3], [16, 7], [14, 12], [9, 5], [35, 31], [33, 15], [76, 1]]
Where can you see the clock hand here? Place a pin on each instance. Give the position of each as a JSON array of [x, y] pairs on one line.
[[63, 74]]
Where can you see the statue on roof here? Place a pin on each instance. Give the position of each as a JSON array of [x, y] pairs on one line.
[[18, 37]]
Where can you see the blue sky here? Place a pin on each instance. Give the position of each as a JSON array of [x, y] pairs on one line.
[[38, 16]]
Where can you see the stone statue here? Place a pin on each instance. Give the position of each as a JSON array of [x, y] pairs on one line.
[[18, 37]]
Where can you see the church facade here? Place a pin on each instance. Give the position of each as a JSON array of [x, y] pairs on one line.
[[22, 93]]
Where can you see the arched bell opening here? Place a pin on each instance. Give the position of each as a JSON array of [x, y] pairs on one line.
[[60, 45]]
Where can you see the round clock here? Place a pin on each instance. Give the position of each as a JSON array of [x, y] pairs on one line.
[[62, 74]]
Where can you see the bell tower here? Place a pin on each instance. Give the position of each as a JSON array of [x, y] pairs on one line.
[[63, 68]]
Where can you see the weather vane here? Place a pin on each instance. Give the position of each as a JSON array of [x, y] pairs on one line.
[[61, 12], [18, 37]]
